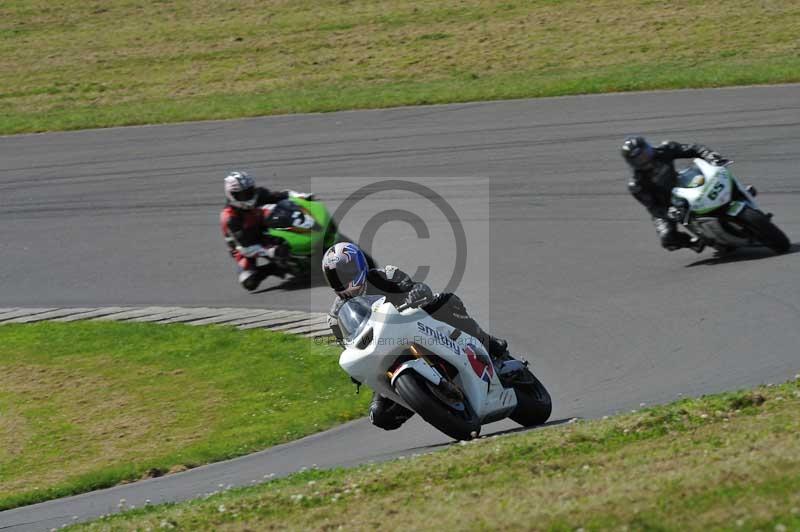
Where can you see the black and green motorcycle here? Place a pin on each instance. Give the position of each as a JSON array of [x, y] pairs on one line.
[[307, 229]]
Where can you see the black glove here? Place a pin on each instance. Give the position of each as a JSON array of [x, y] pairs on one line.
[[419, 295], [675, 214], [677, 211]]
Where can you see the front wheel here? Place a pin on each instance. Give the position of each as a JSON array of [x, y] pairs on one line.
[[533, 401], [762, 229], [414, 391]]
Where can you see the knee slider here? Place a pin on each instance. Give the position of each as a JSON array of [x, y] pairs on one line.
[[383, 419]]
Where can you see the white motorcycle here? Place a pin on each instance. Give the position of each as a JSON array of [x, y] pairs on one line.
[[712, 205], [441, 373]]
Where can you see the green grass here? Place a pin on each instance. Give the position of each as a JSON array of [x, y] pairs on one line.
[[728, 461], [71, 64], [88, 405]]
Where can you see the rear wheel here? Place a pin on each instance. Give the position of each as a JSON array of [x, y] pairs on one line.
[[533, 401], [762, 229], [415, 392]]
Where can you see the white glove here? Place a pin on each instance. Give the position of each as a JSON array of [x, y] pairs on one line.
[[302, 195]]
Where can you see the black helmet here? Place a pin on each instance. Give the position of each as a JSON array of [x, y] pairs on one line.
[[638, 153]]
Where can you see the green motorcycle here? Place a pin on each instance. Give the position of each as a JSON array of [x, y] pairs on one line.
[[307, 229]]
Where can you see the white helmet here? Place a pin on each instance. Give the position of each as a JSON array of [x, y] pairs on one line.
[[240, 189]]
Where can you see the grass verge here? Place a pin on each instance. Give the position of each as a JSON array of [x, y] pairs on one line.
[[718, 462], [78, 64], [88, 405]]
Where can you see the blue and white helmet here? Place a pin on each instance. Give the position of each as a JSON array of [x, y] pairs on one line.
[[345, 268], [240, 189]]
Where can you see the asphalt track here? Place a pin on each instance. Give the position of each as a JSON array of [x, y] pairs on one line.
[[569, 268]]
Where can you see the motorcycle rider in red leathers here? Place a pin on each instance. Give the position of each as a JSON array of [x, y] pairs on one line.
[[244, 225]]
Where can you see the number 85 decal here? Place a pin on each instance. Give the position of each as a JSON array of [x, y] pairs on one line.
[[715, 190]]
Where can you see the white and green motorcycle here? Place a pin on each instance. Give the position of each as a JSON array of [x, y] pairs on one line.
[[711, 204]]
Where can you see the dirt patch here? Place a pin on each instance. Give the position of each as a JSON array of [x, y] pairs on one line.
[[14, 431]]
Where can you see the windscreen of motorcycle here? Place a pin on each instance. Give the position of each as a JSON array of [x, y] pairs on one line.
[[355, 314], [691, 177]]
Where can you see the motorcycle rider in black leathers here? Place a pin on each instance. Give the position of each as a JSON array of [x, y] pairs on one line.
[[654, 177], [347, 272]]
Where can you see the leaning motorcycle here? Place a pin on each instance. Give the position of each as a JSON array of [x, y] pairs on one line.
[[307, 230], [711, 204], [441, 373]]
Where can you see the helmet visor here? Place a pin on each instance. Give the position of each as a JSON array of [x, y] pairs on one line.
[[244, 195], [339, 278], [346, 279], [333, 280], [641, 157]]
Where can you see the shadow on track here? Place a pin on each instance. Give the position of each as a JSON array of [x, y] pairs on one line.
[[291, 284], [551, 423], [743, 254]]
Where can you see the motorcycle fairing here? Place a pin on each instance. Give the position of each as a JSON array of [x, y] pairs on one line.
[[735, 208], [392, 334], [307, 237], [715, 191], [718, 189], [711, 229]]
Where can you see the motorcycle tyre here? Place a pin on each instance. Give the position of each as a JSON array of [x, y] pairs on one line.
[[534, 404], [410, 387], [764, 230]]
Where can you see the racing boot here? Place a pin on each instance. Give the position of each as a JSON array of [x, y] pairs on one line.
[[498, 348], [673, 240], [507, 367], [697, 245]]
